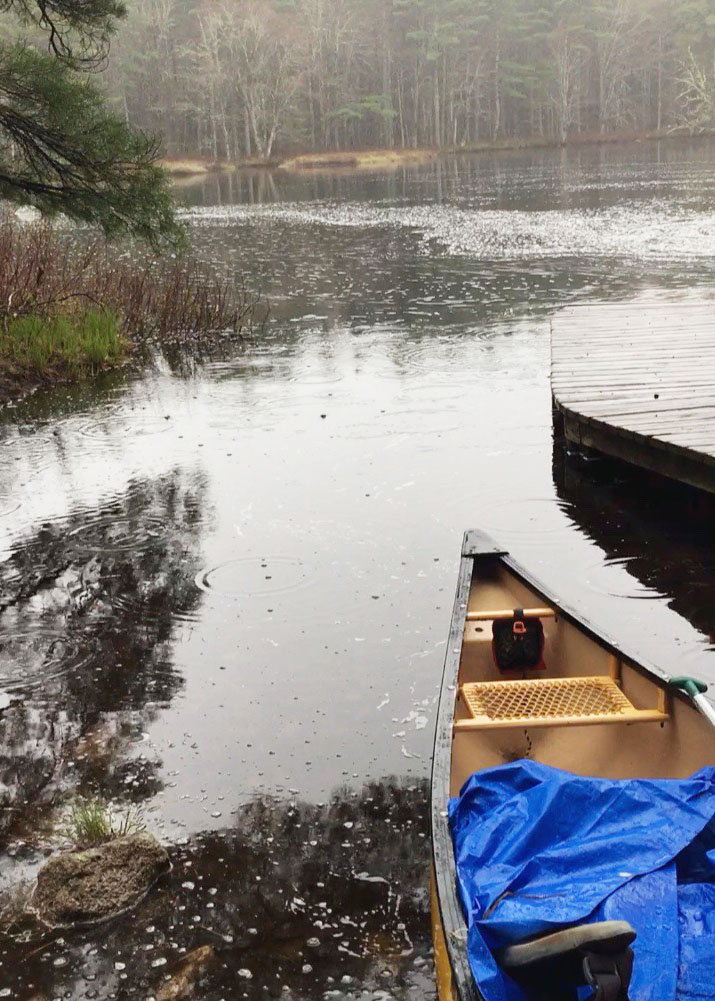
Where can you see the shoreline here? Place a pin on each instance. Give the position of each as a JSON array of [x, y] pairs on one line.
[[14, 390], [574, 142], [184, 167]]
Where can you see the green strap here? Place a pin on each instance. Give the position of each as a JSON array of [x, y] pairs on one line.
[[691, 686]]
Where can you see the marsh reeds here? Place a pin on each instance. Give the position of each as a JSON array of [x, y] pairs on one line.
[[72, 305]]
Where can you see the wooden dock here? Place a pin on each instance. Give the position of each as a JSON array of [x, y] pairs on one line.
[[637, 381]]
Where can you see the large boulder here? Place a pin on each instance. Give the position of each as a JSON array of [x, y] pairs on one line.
[[95, 884]]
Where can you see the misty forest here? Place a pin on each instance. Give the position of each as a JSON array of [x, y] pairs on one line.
[[232, 80]]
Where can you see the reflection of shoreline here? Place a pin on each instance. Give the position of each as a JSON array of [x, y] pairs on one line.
[[303, 896], [661, 530], [87, 626]]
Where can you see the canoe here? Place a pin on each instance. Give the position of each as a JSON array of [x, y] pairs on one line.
[[592, 706]]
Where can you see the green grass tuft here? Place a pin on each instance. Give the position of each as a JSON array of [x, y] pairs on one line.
[[91, 822], [64, 344]]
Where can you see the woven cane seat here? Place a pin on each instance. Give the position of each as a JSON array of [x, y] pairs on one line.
[[549, 702]]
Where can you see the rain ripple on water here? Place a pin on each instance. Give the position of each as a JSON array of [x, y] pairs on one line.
[[33, 659], [256, 577]]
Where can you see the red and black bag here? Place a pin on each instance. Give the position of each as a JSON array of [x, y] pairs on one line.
[[518, 643]]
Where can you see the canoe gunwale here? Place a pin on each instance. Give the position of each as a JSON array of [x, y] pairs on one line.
[[444, 868], [478, 547]]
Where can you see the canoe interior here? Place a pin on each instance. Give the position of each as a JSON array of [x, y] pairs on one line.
[[672, 749]]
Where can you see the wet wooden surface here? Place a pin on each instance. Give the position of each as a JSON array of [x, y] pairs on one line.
[[637, 381]]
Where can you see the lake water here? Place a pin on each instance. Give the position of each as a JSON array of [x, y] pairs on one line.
[[225, 597]]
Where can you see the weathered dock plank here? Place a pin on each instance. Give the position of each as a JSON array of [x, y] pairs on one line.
[[637, 381]]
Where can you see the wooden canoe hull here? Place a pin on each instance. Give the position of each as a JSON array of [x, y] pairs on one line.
[[669, 739]]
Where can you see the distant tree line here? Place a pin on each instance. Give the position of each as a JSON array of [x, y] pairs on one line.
[[242, 78]]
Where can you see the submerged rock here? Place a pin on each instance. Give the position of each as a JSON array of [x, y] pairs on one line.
[[91, 885]]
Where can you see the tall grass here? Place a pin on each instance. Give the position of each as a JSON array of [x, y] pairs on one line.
[[91, 822], [70, 305], [63, 344]]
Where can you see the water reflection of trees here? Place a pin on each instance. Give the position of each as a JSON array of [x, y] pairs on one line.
[[663, 530], [88, 611], [305, 897]]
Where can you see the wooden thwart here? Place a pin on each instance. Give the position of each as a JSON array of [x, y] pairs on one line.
[[508, 613], [550, 702]]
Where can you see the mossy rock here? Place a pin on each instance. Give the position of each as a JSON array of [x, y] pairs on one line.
[[82, 887]]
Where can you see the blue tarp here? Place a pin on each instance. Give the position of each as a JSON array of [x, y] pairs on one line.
[[539, 849]]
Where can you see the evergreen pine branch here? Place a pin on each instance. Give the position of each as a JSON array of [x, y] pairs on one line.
[[63, 151]]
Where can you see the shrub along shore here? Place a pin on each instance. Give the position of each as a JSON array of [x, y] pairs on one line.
[[73, 307]]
